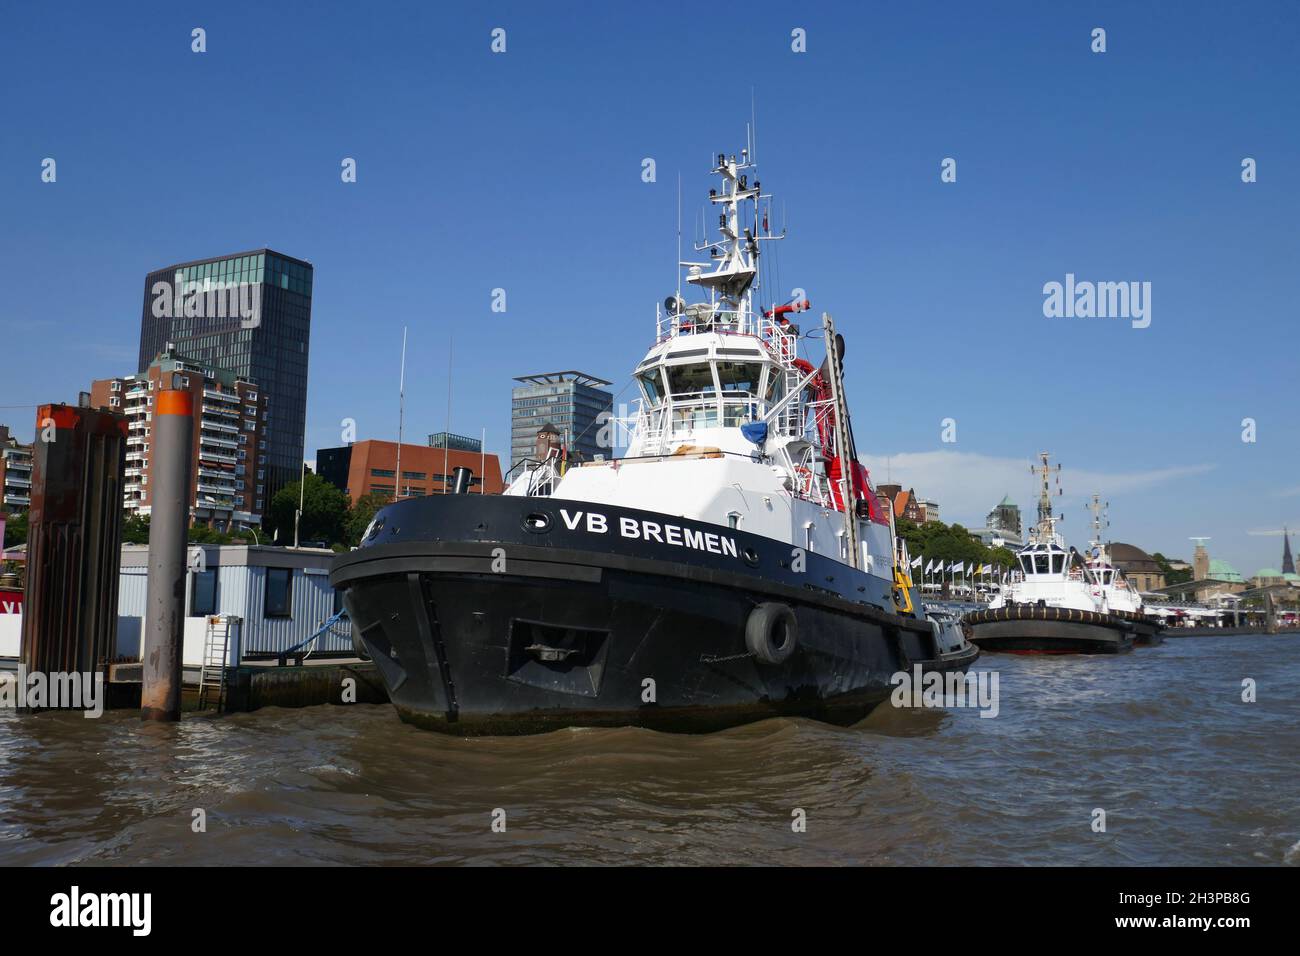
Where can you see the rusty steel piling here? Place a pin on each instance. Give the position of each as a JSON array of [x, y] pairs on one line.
[[173, 435]]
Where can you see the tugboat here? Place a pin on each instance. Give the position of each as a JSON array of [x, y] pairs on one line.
[[734, 564], [1058, 601], [1117, 594]]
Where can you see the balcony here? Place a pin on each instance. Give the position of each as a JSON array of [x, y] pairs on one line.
[[217, 442], [17, 499], [219, 426], [221, 396], [205, 455]]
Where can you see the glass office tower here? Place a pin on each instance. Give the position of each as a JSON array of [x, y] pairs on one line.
[[249, 313], [571, 401]]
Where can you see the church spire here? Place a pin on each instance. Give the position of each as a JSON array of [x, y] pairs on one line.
[[1288, 562]]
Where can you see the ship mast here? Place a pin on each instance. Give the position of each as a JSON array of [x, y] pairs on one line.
[[1099, 516], [734, 255], [1046, 527]]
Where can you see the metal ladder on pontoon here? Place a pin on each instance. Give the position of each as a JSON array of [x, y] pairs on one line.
[[212, 671]]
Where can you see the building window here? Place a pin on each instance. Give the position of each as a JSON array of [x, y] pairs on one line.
[[279, 592], [382, 473], [203, 593]]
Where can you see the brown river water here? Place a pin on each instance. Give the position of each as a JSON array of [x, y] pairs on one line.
[[1160, 739]]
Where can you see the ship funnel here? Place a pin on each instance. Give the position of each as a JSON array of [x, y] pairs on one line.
[[463, 476]]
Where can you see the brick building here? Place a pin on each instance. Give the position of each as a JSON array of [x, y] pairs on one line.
[[371, 468]]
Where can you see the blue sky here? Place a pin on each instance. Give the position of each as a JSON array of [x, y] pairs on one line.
[[522, 171]]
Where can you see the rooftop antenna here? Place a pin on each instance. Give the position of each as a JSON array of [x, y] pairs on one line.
[[446, 444], [401, 414], [677, 270]]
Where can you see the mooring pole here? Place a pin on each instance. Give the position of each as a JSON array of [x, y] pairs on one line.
[[173, 435]]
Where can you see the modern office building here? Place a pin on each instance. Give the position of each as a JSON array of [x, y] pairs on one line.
[[250, 314], [15, 473], [231, 460], [370, 467], [455, 442], [571, 401]]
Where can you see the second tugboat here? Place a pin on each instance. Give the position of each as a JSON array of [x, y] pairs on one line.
[[735, 564], [1058, 601]]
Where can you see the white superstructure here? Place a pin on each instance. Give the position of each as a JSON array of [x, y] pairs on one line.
[[733, 426]]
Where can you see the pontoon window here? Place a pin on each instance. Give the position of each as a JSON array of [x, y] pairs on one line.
[[691, 379]]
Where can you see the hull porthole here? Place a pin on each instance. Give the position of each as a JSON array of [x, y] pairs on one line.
[[771, 633]]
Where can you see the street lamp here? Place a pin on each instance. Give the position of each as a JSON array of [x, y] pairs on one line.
[[249, 527]]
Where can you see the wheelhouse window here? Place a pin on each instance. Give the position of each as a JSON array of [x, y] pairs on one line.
[[691, 380], [740, 377], [652, 387], [279, 592]]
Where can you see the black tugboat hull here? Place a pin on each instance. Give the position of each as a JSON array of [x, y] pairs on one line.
[[571, 631], [1030, 629]]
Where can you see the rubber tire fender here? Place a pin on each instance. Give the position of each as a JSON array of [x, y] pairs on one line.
[[772, 632]]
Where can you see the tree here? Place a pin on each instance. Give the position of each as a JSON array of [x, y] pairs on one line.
[[135, 529], [360, 515], [325, 510], [1172, 576], [950, 544], [15, 529]]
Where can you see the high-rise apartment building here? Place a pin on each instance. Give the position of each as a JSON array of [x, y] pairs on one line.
[[250, 314], [571, 401], [230, 484], [15, 473]]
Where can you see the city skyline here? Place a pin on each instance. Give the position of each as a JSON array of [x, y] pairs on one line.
[[945, 278]]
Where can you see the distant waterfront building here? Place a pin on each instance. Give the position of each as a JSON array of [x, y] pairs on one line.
[[15, 472], [454, 442], [229, 483], [929, 511], [1005, 517], [571, 401], [370, 468], [1002, 527], [248, 313], [1212, 579], [905, 503], [1139, 567]]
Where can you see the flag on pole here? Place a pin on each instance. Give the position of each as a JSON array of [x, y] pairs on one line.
[[916, 562]]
